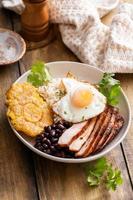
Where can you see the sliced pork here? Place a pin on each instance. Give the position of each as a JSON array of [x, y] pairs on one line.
[[84, 149], [91, 136], [72, 133], [103, 127], [78, 143], [105, 135], [119, 122]]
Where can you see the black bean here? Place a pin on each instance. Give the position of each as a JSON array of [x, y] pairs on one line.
[[60, 126], [42, 135], [57, 123], [48, 151], [53, 132], [40, 148], [66, 124], [58, 131], [48, 142], [57, 135], [45, 146], [47, 134], [44, 150], [52, 148], [53, 126], [44, 140], [48, 129], [61, 122], [37, 147], [38, 143], [54, 140]]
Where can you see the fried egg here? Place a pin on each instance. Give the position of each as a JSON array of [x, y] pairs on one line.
[[82, 101]]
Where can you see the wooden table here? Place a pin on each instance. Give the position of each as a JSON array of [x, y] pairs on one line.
[[26, 176]]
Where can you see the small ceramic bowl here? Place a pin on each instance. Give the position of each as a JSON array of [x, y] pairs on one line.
[[12, 46], [93, 75]]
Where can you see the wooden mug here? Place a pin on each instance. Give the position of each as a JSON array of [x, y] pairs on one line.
[[35, 20]]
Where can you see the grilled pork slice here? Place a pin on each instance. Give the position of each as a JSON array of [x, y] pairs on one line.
[[72, 133], [78, 143], [99, 134], [108, 129], [119, 122], [88, 143]]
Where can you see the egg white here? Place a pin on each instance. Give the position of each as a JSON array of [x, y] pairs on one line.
[[66, 110]]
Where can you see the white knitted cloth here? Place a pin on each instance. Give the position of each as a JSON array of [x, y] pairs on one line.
[[109, 48]]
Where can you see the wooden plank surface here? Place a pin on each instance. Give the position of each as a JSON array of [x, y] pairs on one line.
[[55, 181], [127, 85], [127, 144], [68, 181], [17, 180]]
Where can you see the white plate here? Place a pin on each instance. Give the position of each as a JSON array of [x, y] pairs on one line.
[[93, 75]]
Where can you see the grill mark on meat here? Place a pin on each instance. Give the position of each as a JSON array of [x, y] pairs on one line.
[[108, 129], [100, 133], [115, 130], [88, 143], [72, 133], [78, 143]]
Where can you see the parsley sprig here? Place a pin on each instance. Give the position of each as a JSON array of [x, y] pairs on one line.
[[39, 74], [101, 172], [113, 178], [110, 88]]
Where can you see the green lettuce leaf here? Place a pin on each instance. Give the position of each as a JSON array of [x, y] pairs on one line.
[[39, 74], [110, 88]]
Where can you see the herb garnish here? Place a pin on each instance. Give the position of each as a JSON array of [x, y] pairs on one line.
[[110, 87], [102, 172], [60, 94], [39, 74]]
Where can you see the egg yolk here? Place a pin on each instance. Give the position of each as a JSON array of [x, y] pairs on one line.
[[81, 98]]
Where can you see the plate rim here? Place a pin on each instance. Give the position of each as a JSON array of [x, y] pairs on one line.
[[72, 160]]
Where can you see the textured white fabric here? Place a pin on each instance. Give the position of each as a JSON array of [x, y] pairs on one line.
[[108, 47], [119, 50], [81, 28], [104, 6]]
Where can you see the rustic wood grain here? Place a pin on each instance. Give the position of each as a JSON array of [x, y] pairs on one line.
[[127, 85], [127, 145], [58, 181], [16, 173]]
